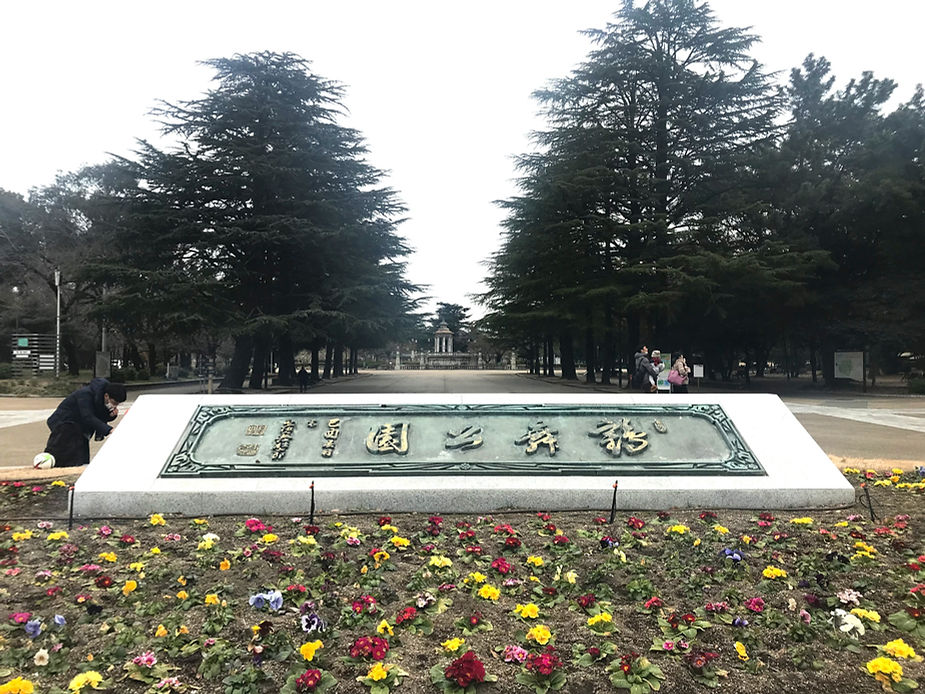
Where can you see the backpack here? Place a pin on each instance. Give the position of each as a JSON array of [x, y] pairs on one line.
[[638, 378]]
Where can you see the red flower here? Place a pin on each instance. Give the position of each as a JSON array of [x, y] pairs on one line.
[[385, 520], [127, 540], [587, 601], [560, 540], [369, 647], [543, 516], [654, 601], [502, 566], [103, 581], [635, 523], [545, 663], [405, 615], [311, 530], [466, 534], [308, 680], [474, 549], [549, 527], [513, 542], [436, 520], [466, 670]]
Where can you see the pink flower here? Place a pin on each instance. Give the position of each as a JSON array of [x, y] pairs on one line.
[[755, 605], [20, 617], [514, 653]]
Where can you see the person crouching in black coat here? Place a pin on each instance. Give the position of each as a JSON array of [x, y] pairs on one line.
[[82, 414]]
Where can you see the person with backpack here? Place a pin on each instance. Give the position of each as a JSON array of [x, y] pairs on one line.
[[644, 370]]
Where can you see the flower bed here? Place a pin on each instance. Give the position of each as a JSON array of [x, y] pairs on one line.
[[537, 602]]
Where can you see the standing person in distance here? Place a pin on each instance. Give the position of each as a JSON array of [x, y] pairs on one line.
[[646, 372], [84, 413], [302, 375], [679, 382]]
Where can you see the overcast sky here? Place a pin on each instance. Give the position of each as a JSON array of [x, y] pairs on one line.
[[440, 90]]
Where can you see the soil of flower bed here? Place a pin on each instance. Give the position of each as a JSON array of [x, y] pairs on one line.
[[107, 626]]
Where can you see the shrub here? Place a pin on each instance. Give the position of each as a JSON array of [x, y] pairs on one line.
[[142, 375], [6, 371], [917, 386]]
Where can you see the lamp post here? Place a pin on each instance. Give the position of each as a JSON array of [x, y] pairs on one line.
[[57, 322]]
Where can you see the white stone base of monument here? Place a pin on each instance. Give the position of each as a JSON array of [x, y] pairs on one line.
[[123, 479]]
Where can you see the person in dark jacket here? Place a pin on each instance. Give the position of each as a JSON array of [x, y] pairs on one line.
[[84, 413], [646, 372]]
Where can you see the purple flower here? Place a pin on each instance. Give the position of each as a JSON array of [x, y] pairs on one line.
[[60, 620], [33, 628], [312, 622], [258, 601], [275, 599], [740, 622]]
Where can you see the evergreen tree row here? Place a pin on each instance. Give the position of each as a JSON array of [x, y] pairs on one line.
[[679, 197]]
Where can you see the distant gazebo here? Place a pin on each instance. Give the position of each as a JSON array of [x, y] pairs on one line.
[[443, 339]]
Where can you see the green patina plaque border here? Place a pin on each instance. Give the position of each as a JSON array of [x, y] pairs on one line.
[[182, 462]]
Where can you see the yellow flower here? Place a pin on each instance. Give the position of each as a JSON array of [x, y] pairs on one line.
[[107, 556], [211, 599], [129, 587], [528, 611], [364, 570], [137, 566], [897, 471], [863, 546], [441, 562], [182, 595], [747, 539], [161, 631], [900, 649], [851, 471], [308, 650], [772, 572], [157, 519], [59, 483], [540, 633], [21, 536], [679, 529], [869, 615], [740, 649], [381, 556], [389, 528], [475, 577], [270, 538], [385, 628], [182, 580], [697, 542], [535, 561], [200, 521], [884, 666], [452, 645], [489, 592], [400, 542], [155, 550], [802, 521], [307, 540], [17, 686], [60, 535], [91, 677], [883, 483], [205, 544], [571, 577], [600, 617], [378, 672], [224, 565], [841, 524], [721, 529], [534, 579]]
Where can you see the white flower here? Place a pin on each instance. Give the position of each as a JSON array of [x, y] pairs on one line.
[[211, 537], [848, 623], [41, 657], [849, 595]]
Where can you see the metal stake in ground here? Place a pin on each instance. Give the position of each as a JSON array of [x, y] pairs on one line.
[[311, 510], [70, 507], [613, 503], [868, 502]]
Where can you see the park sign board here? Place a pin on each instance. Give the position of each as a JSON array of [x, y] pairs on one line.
[[469, 439], [262, 454]]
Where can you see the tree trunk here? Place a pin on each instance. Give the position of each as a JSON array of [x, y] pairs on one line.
[[259, 369], [328, 359], [567, 349], [314, 374], [152, 358], [353, 361], [338, 359], [589, 353], [607, 348], [237, 369], [286, 361], [813, 362]]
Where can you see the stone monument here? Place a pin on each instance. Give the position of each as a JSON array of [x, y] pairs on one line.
[[200, 454]]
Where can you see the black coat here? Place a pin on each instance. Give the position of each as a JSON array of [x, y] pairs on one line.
[[85, 408]]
